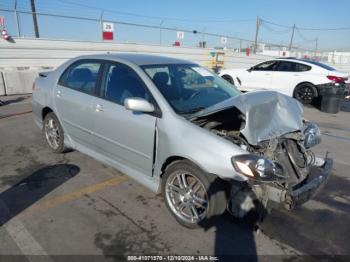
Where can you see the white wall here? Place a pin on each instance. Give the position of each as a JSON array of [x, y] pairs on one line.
[[22, 59]]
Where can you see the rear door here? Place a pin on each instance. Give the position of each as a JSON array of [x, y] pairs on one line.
[[122, 135], [74, 99], [288, 75], [259, 76]]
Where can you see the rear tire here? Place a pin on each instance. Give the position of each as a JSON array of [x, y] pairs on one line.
[[192, 196], [305, 93], [228, 79], [53, 133]]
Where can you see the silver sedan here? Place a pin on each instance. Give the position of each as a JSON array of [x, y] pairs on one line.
[[182, 131]]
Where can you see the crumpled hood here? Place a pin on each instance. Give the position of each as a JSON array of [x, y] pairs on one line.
[[268, 114]]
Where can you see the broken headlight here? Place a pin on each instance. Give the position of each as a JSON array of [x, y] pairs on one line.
[[258, 168], [312, 135]]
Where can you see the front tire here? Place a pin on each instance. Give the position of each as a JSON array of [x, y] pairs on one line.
[[192, 196], [305, 93], [53, 133]]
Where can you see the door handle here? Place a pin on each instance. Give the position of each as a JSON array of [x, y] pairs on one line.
[[267, 74], [99, 108], [58, 93]]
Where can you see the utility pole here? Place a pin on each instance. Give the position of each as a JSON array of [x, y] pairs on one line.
[[291, 39], [17, 20], [35, 21], [101, 22], [258, 23], [316, 46], [160, 32]]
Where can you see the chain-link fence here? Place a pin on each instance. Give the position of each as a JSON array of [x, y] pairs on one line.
[[86, 28], [59, 26]]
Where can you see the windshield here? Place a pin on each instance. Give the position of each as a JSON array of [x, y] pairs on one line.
[[189, 88]]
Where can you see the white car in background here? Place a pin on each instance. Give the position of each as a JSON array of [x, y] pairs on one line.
[[300, 78]]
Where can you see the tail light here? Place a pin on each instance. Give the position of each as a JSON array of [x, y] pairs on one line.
[[33, 87], [337, 79]]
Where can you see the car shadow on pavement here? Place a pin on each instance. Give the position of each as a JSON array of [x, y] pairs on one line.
[[32, 188], [15, 100], [318, 229], [234, 237]]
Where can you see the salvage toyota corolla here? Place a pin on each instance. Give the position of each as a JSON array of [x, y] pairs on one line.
[[182, 131]]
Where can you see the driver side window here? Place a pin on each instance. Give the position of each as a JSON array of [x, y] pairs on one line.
[[121, 82], [266, 66]]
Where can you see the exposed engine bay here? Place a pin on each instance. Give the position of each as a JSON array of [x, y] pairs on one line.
[[289, 154], [288, 149]]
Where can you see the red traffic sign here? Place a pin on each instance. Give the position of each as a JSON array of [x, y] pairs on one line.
[[107, 35], [107, 31]]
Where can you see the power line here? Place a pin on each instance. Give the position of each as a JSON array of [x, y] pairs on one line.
[[127, 23], [153, 17], [280, 32], [308, 28], [275, 24], [302, 36], [324, 29]]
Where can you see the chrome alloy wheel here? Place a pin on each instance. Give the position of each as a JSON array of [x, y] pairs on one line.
[[52, 133], [187, 197]]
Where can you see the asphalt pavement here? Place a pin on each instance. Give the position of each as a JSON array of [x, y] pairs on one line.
[[70, 204]]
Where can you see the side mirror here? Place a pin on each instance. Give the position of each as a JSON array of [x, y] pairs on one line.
[[250, 69], [138, 104]]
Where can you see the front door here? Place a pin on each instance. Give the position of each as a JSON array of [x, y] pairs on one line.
[[258, 77], [122, 135]]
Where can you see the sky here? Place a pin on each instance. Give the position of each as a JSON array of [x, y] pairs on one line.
[[225, 17]]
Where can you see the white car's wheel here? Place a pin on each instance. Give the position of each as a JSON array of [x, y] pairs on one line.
[[305, 93]]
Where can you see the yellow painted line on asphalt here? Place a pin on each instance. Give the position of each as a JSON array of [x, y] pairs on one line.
[[50, 203]]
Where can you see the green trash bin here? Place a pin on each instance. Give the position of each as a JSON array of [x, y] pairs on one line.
[[331, 98]]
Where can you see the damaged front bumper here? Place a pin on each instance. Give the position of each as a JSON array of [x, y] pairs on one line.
[[304, 191]]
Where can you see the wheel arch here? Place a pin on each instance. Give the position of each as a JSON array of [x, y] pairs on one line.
[[45, 111], [169, 161], [176, 158]]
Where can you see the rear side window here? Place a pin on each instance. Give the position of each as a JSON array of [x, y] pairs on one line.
[[81, 76], [302, 67], [286, 67], [324, 66]]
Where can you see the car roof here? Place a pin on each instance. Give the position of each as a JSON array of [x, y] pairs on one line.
[[139, 59], [307, 62], [293, 59]]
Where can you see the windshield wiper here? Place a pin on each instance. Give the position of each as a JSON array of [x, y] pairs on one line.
[[191, 111]]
